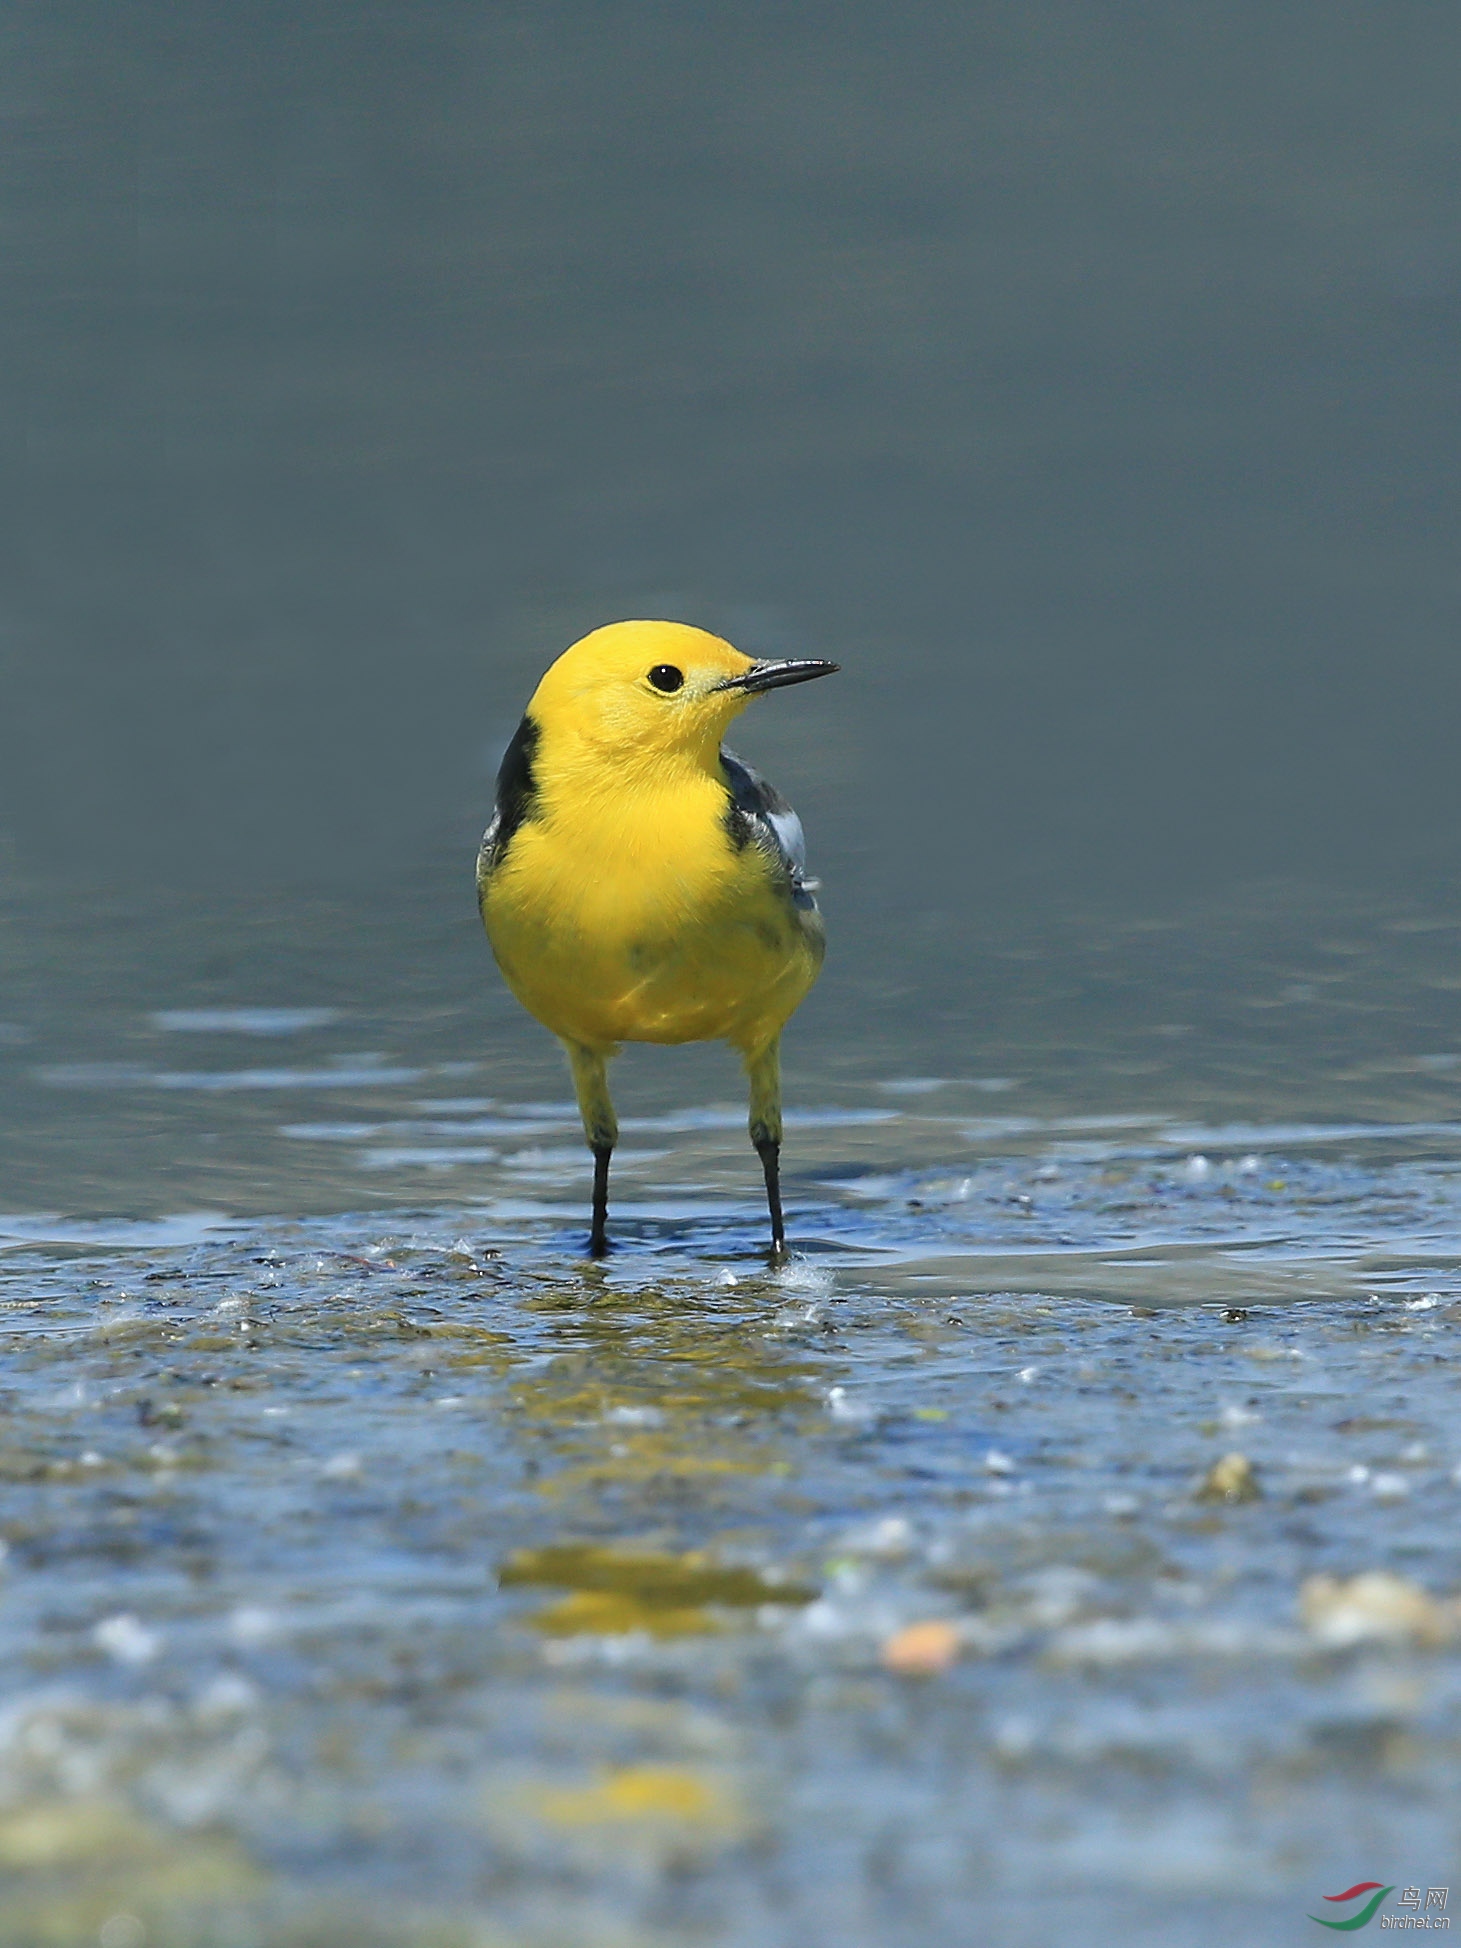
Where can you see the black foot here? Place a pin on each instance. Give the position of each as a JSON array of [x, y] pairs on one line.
[[770, 1155]]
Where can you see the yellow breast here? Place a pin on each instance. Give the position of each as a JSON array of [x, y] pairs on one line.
[[628, 914]]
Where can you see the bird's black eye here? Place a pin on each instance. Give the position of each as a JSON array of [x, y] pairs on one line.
[[664, 676]]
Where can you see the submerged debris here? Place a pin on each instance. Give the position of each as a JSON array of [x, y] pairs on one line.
[[1230, 1480]]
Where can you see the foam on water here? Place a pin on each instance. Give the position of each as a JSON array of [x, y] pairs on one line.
[[243, 1021]]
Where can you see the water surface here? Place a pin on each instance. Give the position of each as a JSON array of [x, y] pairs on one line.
[[377, 1569]]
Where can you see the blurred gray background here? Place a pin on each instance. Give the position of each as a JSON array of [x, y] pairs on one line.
[[1085, 377]]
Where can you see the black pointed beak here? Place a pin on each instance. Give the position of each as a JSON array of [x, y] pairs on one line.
[[776, 676]]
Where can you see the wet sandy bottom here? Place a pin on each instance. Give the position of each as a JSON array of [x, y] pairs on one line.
[[411, 1581]]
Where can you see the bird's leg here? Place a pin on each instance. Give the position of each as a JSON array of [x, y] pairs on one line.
[[764, 1070], [600, 1131], [598, 1236]]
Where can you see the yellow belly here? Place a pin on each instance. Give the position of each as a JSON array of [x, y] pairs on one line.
[[687, 942]]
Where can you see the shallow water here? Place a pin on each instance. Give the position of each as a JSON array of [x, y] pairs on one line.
[[378, 1570]]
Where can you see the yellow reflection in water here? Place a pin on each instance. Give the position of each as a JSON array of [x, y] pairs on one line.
[[658, 1795], [618, 1590], [681, 1385]]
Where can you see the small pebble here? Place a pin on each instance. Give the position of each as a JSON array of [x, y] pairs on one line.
[[922, 1649]]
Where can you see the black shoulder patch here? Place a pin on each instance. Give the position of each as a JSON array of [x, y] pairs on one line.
[[516, 792], [516, 786]]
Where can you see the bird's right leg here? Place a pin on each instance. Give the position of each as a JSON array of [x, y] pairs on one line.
[[600, 1131], [764, 1070]]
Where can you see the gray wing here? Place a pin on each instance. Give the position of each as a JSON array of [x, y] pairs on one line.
[[758, 815]]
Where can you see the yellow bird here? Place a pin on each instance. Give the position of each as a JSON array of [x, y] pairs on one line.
[[639, 883]]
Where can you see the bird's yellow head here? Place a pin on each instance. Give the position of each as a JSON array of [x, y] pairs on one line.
[[655, 689]]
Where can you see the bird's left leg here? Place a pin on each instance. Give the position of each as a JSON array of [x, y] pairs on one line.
[[764, 1071], [600, 1130]]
